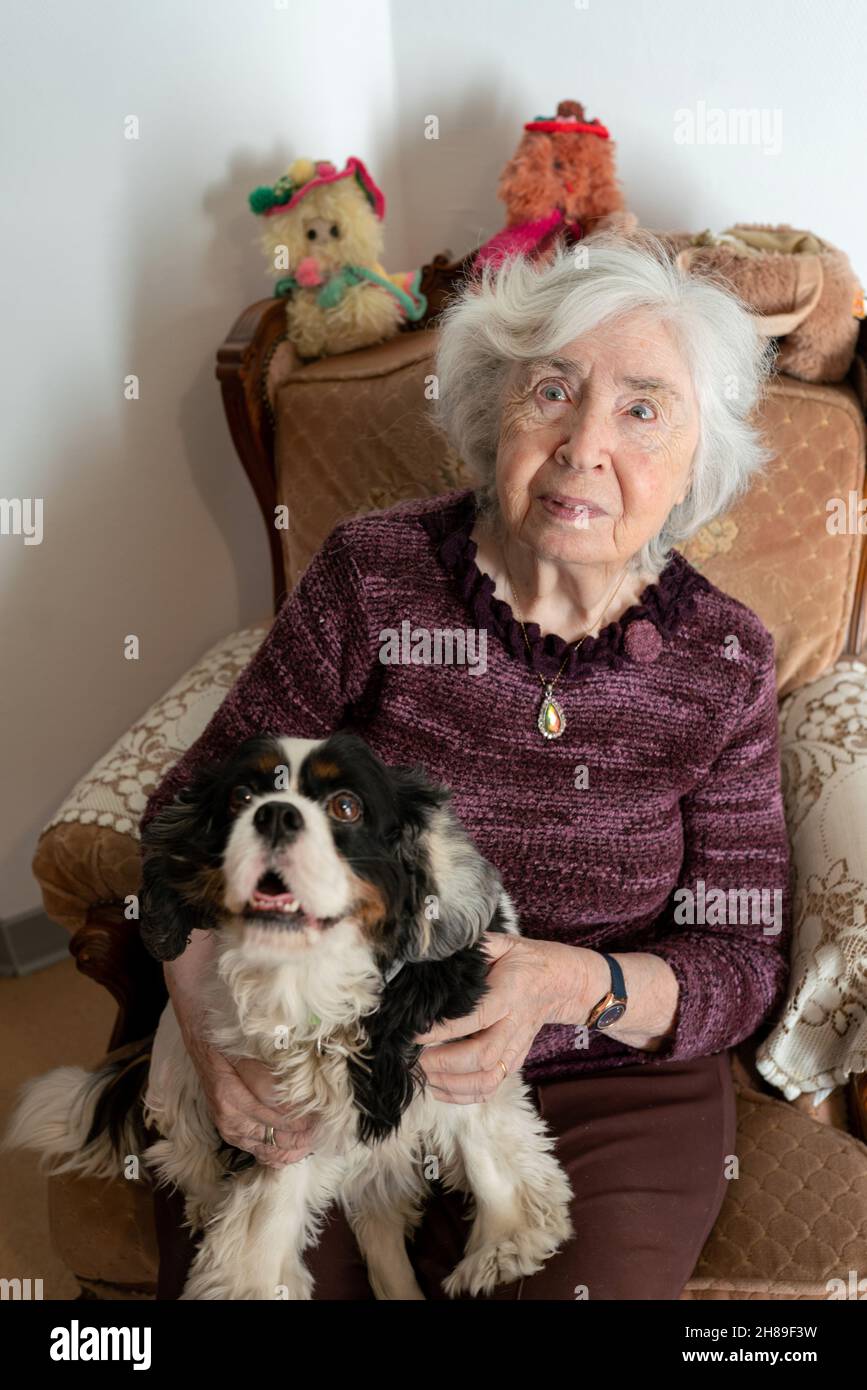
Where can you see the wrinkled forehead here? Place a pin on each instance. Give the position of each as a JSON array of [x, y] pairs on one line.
[[306, 767], [637, 350]]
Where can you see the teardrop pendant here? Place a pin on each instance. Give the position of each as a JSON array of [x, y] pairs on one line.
[[552, 721]]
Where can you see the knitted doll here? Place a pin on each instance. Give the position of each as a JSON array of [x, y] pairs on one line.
[[323, 230], [560, 183]]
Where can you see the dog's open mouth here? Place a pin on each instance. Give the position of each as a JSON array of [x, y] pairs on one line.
[[272, 897], [274, 904]]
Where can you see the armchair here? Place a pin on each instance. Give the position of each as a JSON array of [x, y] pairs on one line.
[[329, 438]]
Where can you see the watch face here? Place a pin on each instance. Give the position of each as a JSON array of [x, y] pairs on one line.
[[611, 1015]]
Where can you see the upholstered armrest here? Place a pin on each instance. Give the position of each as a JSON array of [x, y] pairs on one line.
[[820, 1040], [87, 860]]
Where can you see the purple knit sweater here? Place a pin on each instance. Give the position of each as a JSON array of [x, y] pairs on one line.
[[666, 778]]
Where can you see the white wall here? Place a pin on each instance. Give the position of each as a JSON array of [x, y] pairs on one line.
[[121, 257], [125, 256], [485, 66]]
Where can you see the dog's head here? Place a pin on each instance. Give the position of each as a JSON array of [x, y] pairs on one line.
[[290, 837]]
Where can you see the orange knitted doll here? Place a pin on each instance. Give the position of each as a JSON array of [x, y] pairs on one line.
[[560, 182]]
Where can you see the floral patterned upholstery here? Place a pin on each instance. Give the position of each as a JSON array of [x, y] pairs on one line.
[[821, 1038]]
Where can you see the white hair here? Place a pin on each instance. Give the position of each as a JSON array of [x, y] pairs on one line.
[[526, 309]]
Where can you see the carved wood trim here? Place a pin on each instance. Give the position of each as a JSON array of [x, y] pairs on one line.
[[441, 279], [857, 640], [856, 644], [242, 364], [109, 950], [858, 1106]]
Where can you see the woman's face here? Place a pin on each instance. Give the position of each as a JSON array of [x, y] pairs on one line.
[[596, 444]]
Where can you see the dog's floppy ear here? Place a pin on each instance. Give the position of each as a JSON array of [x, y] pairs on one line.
[[181, 878], [453, 890]]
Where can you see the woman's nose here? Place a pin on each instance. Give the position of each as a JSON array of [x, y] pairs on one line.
[[589, 443]]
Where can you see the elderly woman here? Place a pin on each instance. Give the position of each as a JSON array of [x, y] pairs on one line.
[[614, 754]]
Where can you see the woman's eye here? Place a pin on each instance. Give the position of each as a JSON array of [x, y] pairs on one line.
[[240, 797], [552, 386], [345, 807], [643, 405]]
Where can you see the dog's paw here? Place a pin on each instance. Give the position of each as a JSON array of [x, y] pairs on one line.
[[502, 1262], [482, 1271]]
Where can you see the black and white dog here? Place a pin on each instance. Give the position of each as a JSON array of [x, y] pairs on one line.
[[350, 906]]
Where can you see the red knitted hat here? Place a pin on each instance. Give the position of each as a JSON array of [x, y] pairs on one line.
[[569, 120]]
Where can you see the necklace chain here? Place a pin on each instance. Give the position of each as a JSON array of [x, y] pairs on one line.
[[549, 685], [550, 719]]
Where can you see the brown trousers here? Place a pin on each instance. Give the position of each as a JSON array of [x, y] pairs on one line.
[[645, 1149]]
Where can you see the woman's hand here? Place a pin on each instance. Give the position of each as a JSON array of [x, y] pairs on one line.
[[240, 1095], [242, 1102], [531, 983]]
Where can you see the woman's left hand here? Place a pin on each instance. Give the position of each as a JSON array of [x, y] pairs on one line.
[[530, 983]]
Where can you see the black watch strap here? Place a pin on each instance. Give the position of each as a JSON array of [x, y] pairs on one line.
[[618, 984], [612, 1006]]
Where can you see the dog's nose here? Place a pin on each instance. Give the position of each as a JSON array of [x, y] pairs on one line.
[[278, 821]]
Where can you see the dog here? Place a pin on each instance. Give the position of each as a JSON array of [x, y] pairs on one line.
[[349, 905]]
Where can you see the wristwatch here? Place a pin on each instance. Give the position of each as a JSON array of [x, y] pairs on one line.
[[612, 1006]]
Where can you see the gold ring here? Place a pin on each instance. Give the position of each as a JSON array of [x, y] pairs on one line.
[[270, 1137], [502, 1064]]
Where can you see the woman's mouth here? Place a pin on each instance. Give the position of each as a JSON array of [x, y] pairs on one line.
[[579, 511]]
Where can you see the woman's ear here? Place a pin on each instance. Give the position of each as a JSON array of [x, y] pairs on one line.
[[453, 891], [181, 880]]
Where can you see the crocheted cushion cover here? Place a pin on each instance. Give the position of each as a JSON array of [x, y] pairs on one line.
[[88, 852], [821, 1036], [354, 433]]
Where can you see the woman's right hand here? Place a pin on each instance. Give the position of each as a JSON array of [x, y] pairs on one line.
[[240, 1095], [242, 1102]]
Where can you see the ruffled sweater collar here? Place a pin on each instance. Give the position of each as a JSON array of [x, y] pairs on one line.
[[638, 635]]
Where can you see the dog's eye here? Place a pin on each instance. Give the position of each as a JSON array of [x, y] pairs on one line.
[[241, 797], [343, 806]]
